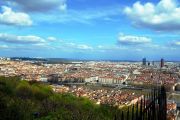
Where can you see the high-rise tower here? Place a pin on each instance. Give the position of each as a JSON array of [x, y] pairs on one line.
[[162, 62], [144, 61]]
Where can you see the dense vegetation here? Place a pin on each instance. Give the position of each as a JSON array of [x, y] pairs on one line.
[[22, 100]]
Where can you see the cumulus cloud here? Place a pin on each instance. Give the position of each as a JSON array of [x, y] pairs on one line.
[[79, 46], [164, 16], [10, 17], [133, 40], [40, 5], [86, 16], [29, 39], [175, 43], [51, 39], [3, 46], [84, 47]]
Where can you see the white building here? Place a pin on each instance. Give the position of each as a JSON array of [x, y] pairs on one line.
[[92, 79]]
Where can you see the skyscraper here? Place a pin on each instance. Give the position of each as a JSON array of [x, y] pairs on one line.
[[162, 62], [144, 61], [153, 63]]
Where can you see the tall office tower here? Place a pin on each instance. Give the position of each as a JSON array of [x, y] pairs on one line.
[[144, 61], [153, 63], [162, 62]]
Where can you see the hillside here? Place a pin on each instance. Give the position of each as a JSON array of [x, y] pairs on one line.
[[22, 100]]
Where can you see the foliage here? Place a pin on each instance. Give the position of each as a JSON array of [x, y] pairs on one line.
[[21, 100]]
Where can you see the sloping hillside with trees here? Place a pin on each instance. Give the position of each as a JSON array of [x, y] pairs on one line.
[[23, 100]]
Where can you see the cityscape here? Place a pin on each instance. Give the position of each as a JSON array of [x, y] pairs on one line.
[[104, 82], [90, 60]]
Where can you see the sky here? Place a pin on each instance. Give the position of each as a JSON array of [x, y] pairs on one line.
[[90, 29]]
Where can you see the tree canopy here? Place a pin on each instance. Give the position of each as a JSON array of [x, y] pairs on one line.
[[23, 100]]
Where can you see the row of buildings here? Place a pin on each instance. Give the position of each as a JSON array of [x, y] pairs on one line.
[[105, 73], [119, 98]]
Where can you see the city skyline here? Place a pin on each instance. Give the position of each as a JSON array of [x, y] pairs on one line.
[[86, 29]]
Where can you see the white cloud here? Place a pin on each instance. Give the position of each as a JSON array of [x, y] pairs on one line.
[[29, 39], [139, 50], [100, 47], [51, 39], [40, 5], [78, 46], [3, 46], [10, 17], [81, 16], [84, 47], [165, 16], [63, 7], [133, 40], [175, 43], [74, 47], [111, 47]]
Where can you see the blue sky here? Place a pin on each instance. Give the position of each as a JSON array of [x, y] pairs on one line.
[[89, 29]]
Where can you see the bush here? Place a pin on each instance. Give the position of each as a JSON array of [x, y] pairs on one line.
[[21, 100]]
